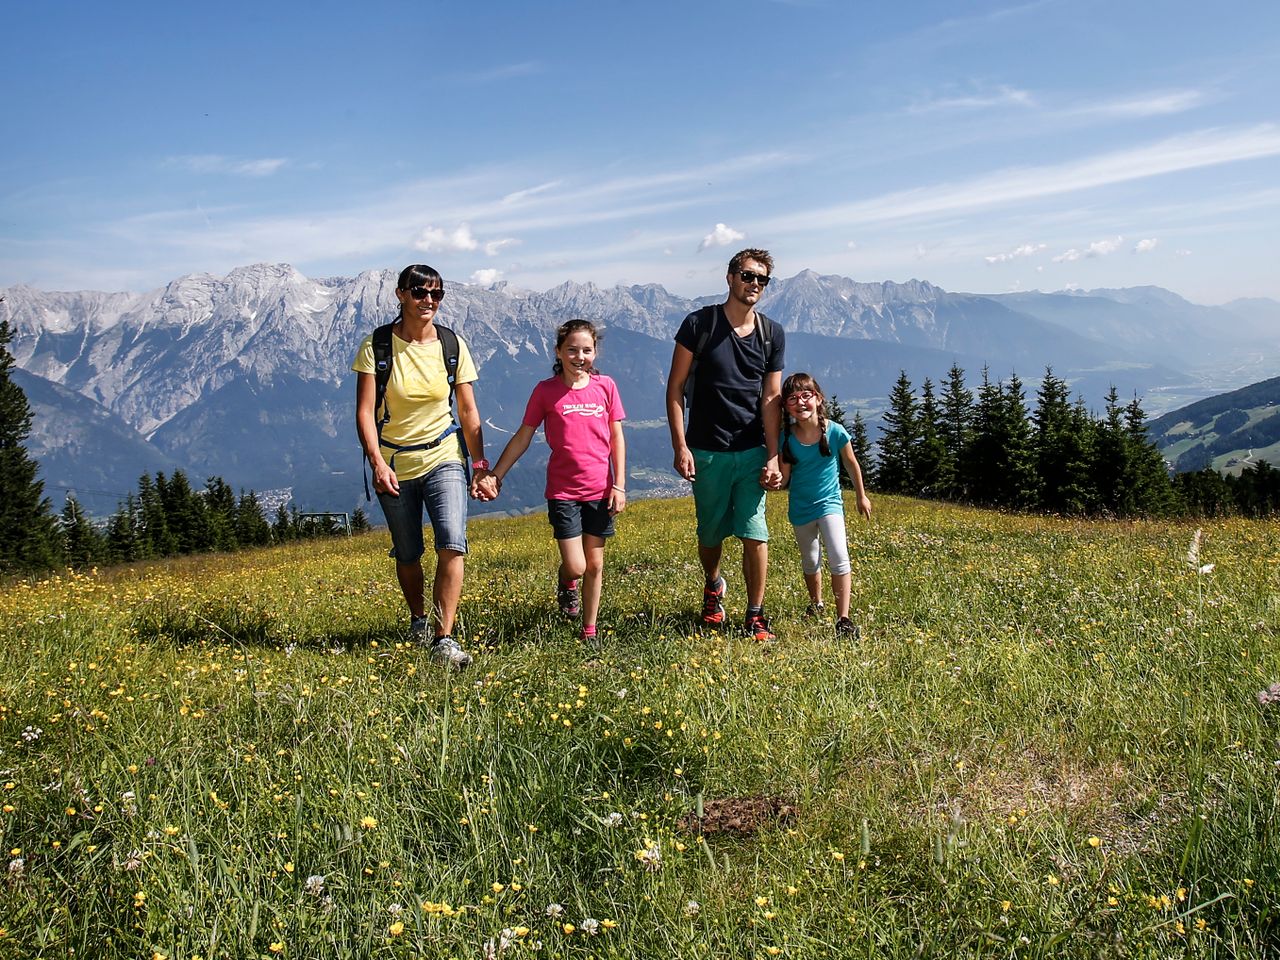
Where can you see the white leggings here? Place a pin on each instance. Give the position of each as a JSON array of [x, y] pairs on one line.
[[831, 530]]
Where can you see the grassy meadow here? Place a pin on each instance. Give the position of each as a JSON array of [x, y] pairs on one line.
[[1047, 743]]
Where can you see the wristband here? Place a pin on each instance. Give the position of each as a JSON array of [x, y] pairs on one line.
[[620, 489], [481, 464]]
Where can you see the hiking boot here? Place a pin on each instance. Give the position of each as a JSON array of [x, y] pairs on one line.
[[815, 609], [847, 628], [757, 626], [713, 604], [447, 652], [419, 630], [567, 598]]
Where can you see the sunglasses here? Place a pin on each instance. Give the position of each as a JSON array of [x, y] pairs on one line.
[[435, 293], [804, 396], [748, 277]]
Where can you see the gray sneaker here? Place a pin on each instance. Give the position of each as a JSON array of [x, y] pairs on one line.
[[447, 652], [420, 630]]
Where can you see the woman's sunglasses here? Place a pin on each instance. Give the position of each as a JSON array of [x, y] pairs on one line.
[[435, 293]]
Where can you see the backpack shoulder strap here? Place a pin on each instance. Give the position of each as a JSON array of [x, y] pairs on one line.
[[449, 351], [382, 361], [766, 328], [704, 323]]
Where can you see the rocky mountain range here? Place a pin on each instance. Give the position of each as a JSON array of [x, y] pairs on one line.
[[247, 376]]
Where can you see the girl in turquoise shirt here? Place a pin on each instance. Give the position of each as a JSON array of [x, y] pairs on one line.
[[812, 448]]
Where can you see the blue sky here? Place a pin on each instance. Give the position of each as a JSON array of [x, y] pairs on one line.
[[984, 147]]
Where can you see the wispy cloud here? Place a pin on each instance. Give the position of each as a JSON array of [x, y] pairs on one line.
[[1099, 248], [1145, 105], [494, 247], [519, 195], [1002, 96], [1146, 246], [216, 163], [721, 236], [1026, 250], [486, 278], [1205, 148]]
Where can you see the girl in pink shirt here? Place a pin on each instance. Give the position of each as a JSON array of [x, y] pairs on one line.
[[582, 415]]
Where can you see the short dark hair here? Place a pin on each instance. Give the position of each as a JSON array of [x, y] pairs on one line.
[[419, 275], [751, 253]]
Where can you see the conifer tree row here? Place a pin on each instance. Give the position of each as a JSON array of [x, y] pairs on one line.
[[988, 448]]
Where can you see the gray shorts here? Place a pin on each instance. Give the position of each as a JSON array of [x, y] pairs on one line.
[[573, 518]]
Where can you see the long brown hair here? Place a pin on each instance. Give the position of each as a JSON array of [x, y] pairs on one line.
[[798, 383]]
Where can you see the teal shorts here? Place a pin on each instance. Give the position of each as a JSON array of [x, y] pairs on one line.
[[728, 497]]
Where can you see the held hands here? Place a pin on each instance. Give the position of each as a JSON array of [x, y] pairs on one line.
[[485, 485], [771, 474]]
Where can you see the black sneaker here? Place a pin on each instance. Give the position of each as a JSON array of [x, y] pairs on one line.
[[847, 628], [567, 598], [815, 609]]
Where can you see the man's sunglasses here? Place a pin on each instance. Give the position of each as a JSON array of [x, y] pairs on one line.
[[748, 277], [435, 293]]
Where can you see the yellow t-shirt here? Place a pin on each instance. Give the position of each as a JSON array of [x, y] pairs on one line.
[[418, 398]]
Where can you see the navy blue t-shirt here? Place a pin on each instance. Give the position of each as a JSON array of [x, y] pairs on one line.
[[724, 410]]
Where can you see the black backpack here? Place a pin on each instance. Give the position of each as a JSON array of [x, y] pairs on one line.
[[383, 358], [704, 321]]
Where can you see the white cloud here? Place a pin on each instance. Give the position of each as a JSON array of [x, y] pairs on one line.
[[493, 247], [1026, 250], [1184, 252], [721, 236], [1148, 105], [486, 277], [1205, 148], [437, 239], [1099, 248], [1146, 246], [216, 163], [1002, 96], [519, 195]]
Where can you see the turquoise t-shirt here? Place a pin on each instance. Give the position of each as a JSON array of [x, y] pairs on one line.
[[815, 479]]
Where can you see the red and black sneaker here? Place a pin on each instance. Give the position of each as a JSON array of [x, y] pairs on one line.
[[713, 604], [757, 627], [567, 598]]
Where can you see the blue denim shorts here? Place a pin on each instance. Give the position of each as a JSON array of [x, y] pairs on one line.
[[442, 493]]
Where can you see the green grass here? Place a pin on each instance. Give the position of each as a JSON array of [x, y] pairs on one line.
[[1046, 744]]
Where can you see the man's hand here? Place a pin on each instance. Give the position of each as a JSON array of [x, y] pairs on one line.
[[771, 474], [684, 463]]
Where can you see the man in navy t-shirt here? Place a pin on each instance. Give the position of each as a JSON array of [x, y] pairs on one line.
[[729, 451]]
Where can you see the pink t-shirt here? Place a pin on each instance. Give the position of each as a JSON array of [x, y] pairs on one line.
[[578, 426]]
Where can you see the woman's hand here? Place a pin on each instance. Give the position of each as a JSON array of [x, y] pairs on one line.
[[385, 480]]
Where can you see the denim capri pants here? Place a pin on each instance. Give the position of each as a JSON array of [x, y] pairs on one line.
[[442, 493]]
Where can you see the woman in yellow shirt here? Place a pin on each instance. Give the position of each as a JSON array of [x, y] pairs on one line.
[[417, 462]]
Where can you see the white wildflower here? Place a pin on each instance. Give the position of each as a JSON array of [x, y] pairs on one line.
[[612, 820], [1193, 555], [31, 734], [17, 867], [554, 910], [314, 885], [692, 909], [395, 909], [590, 926]]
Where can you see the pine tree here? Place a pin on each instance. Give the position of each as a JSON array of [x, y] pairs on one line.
[[1061, 450], [932, 472], [359, 521], [219, 508], [83, 546], [283, 530], [28, 539], [1110, 469], [862, 450], [836, 414], [1152, 493], [955, 427], [895, 464], [252, 529], [983, 457], [122, 532], [1019, 474]]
